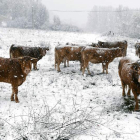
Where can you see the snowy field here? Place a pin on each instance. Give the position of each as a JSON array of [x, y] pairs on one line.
[[51, 98]]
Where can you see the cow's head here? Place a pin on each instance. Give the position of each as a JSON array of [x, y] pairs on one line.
[[43, 50], [26, 63], [136, 69]]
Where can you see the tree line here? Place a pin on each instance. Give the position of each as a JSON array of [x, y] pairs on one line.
[[30, 14], [120, 20]]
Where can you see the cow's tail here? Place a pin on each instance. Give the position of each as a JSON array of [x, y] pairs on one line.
[[119, 68], [11, 50], [119, 65]]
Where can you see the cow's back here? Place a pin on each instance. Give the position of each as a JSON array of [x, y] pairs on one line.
[[74, 53], [20, 51], [32, 52], [100, 55]]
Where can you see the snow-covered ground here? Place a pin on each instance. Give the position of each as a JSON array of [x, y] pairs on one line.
[[66, 94]]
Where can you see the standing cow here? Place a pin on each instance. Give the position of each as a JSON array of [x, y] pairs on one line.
[[14, 72], [120, 44], [99, 55], [67, 53], [35, 52], [129, 73]]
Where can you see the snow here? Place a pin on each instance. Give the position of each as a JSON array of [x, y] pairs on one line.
[[98, 95]]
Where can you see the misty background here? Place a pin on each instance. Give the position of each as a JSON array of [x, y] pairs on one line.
[[115, 17]]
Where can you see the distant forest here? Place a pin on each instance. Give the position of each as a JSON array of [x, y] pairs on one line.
[[121, 20], [30, 14], [33, 14]]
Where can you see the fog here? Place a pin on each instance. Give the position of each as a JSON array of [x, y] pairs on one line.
[[121, 17], [82, 6]]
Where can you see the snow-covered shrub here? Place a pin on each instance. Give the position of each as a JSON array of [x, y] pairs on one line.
[[47, 123]]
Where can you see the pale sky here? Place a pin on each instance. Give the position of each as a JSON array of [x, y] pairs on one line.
[[80, 18]]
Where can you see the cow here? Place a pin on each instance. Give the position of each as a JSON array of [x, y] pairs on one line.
[[69, 53], [129, 73], [76, 52], [35, 52], [99, 55], [137, 48], [120, 44], [14, 72]]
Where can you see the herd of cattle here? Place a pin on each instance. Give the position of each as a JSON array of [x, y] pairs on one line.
[[14, 70]]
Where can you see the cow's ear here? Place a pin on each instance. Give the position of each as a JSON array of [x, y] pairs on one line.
[[34, 60], [47, 48]]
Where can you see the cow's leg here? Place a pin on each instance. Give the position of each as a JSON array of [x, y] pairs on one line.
[[58, 66], [67, 63], [16, 95], [123, 87], [55, 63], [83, 69], [136, 99], [88, 69], [35, 66], [81, 66], [106, 68], [85, 65], [128, 93], [12, 96], [55, 66], [103, 66], [15, 92], [64, 62]]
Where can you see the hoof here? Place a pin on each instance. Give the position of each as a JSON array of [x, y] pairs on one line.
[[17, 101], [35, 69], [137, 110]]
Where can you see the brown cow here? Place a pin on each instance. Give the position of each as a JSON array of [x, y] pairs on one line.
[[120, 44], [14, 71], [99, 55], [137, 48], [130, 75], [35, 52], [63, 53]]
